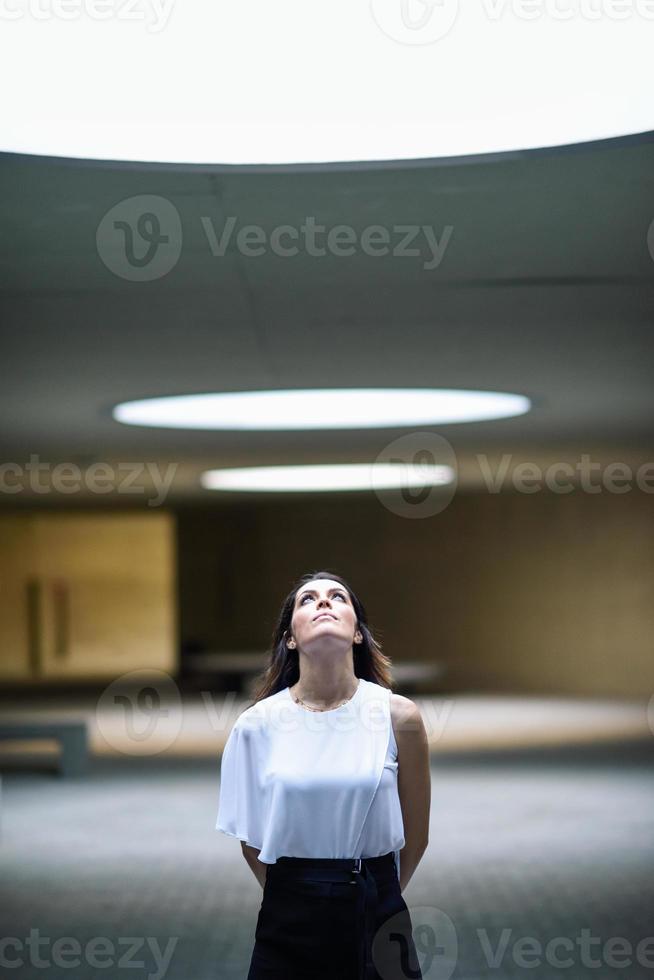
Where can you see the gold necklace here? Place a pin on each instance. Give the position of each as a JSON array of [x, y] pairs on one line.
[[299, 700]]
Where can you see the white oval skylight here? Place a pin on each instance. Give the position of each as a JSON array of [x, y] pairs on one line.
[[206, 81], [326, 408], [347, 476]]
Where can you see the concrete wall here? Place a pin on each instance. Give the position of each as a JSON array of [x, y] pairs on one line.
[[516, 592]]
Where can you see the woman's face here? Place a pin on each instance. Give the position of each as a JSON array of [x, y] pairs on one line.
[[322, 611]]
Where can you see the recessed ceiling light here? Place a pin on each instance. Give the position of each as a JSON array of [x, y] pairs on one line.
[[327, 408], [293, 83], [348, 476]]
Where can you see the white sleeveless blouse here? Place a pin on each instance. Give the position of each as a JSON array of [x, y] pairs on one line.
[[301, 783]]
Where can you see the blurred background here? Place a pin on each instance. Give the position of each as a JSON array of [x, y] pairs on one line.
[[515, 599]]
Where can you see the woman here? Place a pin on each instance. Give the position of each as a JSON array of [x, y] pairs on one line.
[[325, 780]]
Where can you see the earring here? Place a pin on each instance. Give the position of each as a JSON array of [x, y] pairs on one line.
[[291, 644]]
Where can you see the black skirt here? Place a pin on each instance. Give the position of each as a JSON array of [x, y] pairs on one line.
[[333, 919]]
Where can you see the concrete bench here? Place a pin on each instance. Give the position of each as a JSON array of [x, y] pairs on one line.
[[71, 735], [243, 667]]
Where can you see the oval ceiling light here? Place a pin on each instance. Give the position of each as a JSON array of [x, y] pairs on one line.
[[288, 82], [336, 477], [321, 408]]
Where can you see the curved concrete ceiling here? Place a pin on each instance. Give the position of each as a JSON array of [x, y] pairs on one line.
[[528, 272]]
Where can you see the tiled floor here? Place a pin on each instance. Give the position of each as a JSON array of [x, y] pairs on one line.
[[539, 843]]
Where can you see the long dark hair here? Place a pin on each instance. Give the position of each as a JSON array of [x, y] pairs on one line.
[[283, 669]]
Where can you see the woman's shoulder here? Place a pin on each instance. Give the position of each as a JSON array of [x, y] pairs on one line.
[[256, 716], [403, 707], [405, 715]]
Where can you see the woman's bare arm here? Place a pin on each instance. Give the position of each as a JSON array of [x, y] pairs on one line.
[[414, 782], [251, 855]]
